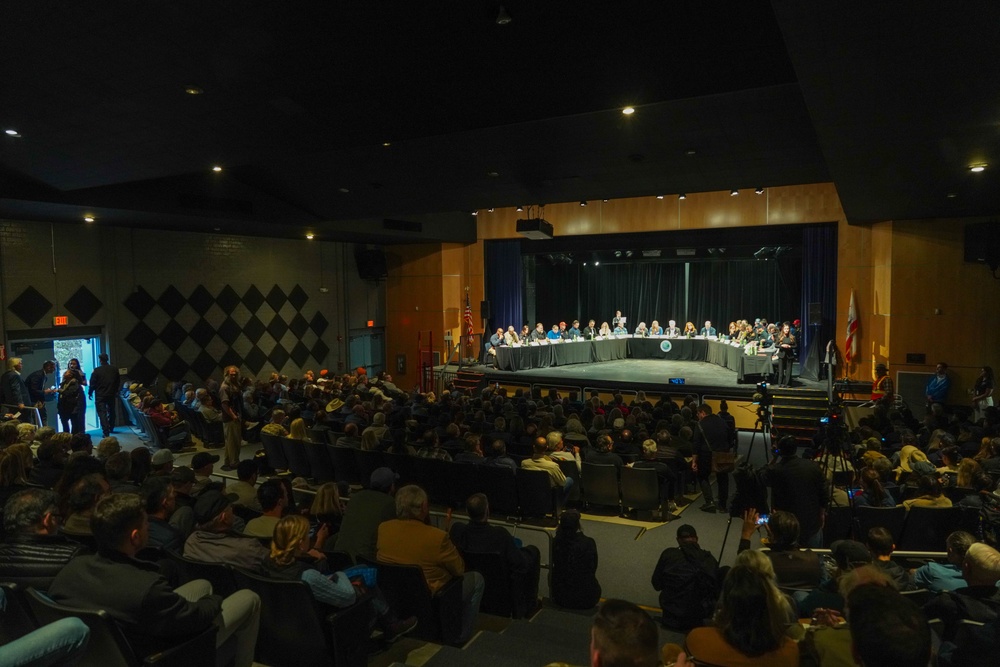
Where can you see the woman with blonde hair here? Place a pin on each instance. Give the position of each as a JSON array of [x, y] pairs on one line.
[[326, 508], [297, 429], [967, 470], [292, 559]]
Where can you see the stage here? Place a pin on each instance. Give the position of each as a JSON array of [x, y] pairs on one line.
[[650, 375]]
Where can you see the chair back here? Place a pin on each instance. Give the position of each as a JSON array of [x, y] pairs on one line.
[[640, 489], [317, 435], [838, 525], [345, 466], [926, 528], [436, 477], [499, 483], [890, 518], [275, 452], [534, 493], [220, 575], [292, 631], [319, 462], [368, 461], [570, 469], [600, 484], [17, 617], [405, 589], [107, 645], [499, 596], [295, 454]]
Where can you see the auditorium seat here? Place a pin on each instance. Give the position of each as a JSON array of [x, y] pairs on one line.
[[275, 453], [640, 489], [296, 630], [600, 485], [890, 518], [295, 454], [927, 528]]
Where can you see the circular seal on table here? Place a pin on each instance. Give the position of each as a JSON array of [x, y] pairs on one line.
[[665, 346]]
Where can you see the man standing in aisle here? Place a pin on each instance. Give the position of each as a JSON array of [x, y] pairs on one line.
[[232, 418], [798, 486], [104, 383], [41, 389], [13, 391]]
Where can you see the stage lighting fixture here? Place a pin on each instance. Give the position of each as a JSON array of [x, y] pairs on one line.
[[618, 253], [682, 196], [977, 168], [628, 253], [475, 213], [519, 209], [734, 192], [583, 203], [759, 191]]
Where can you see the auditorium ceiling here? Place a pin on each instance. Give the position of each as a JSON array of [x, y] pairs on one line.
[[389, 122]]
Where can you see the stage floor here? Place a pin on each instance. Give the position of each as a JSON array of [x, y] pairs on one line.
[[638, 374]]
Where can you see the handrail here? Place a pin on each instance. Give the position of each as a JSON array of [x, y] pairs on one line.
[[14, 409]]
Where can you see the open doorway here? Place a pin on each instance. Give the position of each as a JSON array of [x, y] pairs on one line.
[[35, 352]]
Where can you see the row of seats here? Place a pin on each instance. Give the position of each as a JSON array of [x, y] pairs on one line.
[[916, 529], [527, 493]]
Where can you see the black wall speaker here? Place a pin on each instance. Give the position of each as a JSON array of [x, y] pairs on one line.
[[484, 310], [371, 263], [815, 312]]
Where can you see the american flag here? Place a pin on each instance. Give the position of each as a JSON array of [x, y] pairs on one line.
[[851, 346], [468, 319]]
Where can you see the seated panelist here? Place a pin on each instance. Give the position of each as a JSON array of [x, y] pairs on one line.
[[554, 333], [539, 333], [574, 331], [641, 330], [708, 330], [605, 330], [511, 336], [672, 330], [590, 331], [655, 329]]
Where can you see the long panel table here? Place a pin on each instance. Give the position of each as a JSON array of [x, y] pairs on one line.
[[592, 351]]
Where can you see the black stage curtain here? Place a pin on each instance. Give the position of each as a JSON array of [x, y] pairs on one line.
[[819, 285], [642, 291], [504, 285], [724, 291]]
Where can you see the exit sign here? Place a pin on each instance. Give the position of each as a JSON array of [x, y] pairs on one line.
[[60, 321]]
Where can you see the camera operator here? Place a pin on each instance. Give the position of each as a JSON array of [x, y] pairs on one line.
[[798, 486]]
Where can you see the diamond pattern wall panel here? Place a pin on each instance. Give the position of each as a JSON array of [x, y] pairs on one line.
[[83, 305], [30, 306], [195, 336], [140, 302]]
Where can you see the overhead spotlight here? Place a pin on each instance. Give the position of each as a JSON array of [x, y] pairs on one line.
[[605, 201], [217, 169], [88, 218], [490, 209], [583, 203], [951, 195], [475, 213], [689, 152], [628, 111], [978, 167], [585, 264], [519, 209], [310, 236], [193, 90], [759, 191], [618, 253], [659, 196], [503, 18], [343, 190], [682, 196], [734, 192], [12, 132], [386, 144], [596, 263], [711, 251], [628, 253], [722, 251]]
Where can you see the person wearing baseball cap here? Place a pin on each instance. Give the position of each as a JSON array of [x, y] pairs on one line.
[[162, 462], [882, 387], [676, 571], [213, 540], [203, 465]]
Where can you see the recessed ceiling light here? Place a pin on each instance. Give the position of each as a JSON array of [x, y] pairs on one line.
[[659, 196], [596, 263], [520, 208], [475, 213], [310, 236], [583, 202], [490, 209], [759, 191], [628, 111], [690, 151], [493, 174], [605, 201], [12, 132], [682, 196], [88, 218], [218, 229], [344, 190], [217, 169], [976, 168], [951, 195], [387, 143], [193, 90], [734, 192]]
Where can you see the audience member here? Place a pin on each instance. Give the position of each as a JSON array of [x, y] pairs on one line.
[[623, 635], [687, 578], [213, 540], [368, 509], [33, 552], [573, 578]]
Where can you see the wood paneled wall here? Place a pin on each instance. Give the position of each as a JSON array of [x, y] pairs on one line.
[[902, 273]]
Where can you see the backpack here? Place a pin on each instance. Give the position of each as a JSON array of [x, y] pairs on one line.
[[690, 590]]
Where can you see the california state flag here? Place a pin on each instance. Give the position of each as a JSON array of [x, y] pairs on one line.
[[851, 346]]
